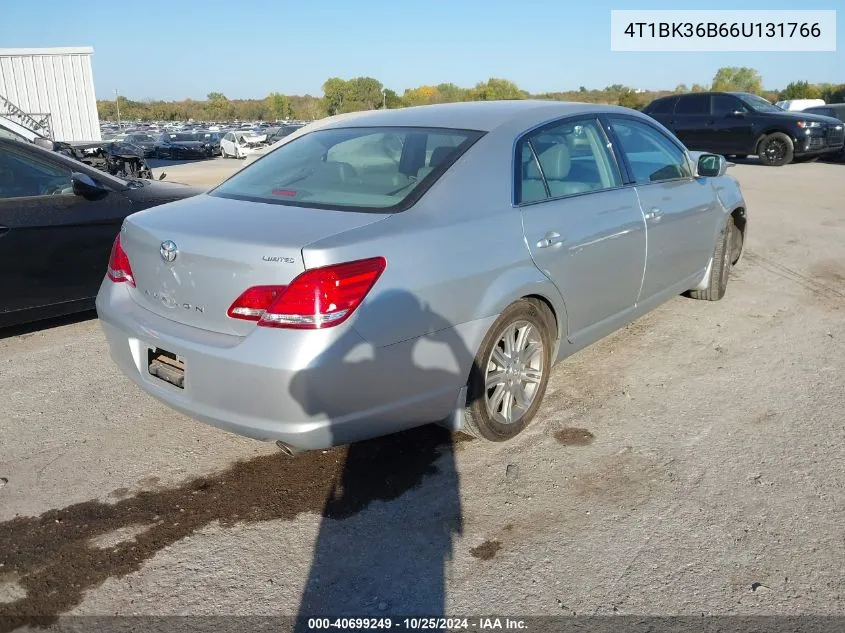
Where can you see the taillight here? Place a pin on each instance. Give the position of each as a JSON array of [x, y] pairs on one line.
[[119, 269], [316, 299], [253, 303]]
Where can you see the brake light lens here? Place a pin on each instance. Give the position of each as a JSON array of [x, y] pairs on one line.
[[119, 269], [316, 299], [253, 303]]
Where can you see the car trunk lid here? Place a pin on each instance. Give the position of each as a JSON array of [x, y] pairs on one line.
[[191, 259]]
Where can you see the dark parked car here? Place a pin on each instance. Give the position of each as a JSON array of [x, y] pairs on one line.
[[58, 220], [213, 140], [146, 142], [740, 124], [835, 110], [176, 145], [277, 134]]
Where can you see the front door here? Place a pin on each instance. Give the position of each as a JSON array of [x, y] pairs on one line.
[[680, 211], [585, 231], [733, 125]]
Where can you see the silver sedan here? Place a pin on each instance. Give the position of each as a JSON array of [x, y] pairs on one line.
[[387, 269]]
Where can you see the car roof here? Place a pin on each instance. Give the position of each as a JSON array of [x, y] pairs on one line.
[[483, 116]]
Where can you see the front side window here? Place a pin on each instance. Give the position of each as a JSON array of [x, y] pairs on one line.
[[652, 156], [564, 159], [23, 175], [722, 105], [365, 169]]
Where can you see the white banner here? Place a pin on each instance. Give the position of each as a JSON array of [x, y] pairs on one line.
[[722, 30]]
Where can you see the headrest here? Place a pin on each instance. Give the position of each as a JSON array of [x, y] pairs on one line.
[[439, 155]]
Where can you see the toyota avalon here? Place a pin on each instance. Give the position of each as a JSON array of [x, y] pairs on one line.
[[386, 269]]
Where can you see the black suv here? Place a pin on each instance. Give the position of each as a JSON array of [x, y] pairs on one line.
[[739, 124]]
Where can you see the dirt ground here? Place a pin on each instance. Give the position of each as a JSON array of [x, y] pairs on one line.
[[691, 463]]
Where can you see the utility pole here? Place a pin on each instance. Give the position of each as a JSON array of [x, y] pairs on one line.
[[117, 103], [384, 99]]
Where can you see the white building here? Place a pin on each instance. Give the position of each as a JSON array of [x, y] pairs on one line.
[[53, 87]]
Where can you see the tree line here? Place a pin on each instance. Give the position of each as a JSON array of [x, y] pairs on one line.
[[366, 93]]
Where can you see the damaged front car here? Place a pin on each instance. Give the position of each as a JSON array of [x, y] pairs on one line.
[[116, 158], [123, 160]]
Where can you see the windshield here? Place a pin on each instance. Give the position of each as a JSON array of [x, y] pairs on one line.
[[351, 168], [759, 103], [141, 138]]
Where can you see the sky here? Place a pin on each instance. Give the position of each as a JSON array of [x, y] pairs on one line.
[[176, 49]]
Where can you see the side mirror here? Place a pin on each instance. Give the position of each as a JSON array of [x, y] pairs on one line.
[[739, 114], [711, 165], [87, 187]]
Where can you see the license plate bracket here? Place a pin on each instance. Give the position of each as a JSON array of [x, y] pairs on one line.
[[166, 366]]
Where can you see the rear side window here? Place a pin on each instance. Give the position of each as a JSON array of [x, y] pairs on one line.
[[662, 106], [693, 104], [360, 169], [566, 158], [653, 157]]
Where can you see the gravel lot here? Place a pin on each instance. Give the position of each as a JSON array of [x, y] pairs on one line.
[[691, 463]]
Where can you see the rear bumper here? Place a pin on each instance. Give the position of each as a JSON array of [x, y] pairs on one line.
[[310, 389]]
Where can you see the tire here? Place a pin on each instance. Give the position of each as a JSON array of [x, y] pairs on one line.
[[736, 244], [489, 421], [722, 264], [776, 149]]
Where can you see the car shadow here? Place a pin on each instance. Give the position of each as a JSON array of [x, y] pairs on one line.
[[753, 160], [163, 163], [394, 559], [389, 509], [42, 325], [52, 560]]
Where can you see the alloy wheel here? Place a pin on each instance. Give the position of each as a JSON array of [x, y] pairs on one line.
[[514, 372]]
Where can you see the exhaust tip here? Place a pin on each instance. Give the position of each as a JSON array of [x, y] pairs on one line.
[[287, 449]]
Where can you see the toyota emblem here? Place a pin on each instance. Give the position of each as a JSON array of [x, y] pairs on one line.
[[168, 251]]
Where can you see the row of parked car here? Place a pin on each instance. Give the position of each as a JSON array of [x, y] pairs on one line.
[[179, 143], [741, 124]]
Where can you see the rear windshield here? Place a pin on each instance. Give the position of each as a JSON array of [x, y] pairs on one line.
[[361, 169]]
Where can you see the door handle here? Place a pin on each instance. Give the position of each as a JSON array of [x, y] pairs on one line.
[[550, 239], [4, 230], [654, 214]]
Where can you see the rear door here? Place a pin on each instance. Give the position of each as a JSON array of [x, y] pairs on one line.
[[54, 245], [692, 114], [663, 111], [680, 211], [584, 229]]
